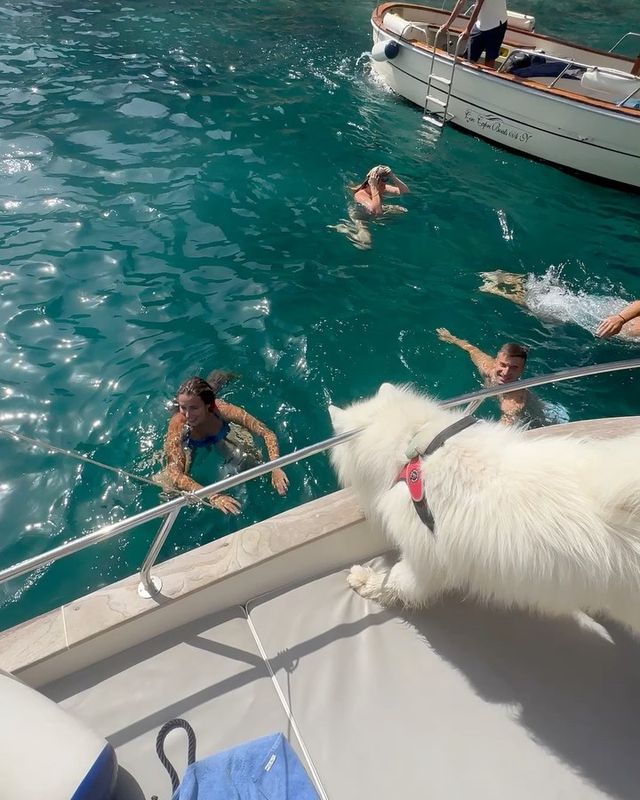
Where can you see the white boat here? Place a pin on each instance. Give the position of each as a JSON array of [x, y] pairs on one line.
[[547, 98], [258, 632]]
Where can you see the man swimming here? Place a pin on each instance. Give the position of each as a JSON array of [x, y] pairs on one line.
[[547, 297], [507, 366]]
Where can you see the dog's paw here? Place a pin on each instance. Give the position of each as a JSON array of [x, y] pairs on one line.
[[365, 581]]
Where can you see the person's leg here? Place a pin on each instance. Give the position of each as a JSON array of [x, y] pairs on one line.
[[362, 235], [476, 45], [509, 285], [492, 43], [356, 231], [386, 210]]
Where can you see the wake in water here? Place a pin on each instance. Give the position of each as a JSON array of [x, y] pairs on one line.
[[550, 299]]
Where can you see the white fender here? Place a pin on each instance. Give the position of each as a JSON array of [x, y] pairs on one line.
[[524, 22], [617, 84], [384, 51], [47, 753]]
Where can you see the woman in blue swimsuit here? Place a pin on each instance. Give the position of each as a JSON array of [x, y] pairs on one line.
[[202, 421]]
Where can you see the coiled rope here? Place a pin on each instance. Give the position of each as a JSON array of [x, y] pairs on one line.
[[191, 745]]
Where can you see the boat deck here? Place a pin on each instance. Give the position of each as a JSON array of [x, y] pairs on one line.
[[454, 701]]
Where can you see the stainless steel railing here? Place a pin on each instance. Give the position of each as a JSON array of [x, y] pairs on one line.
[[168, 512], [622, 38], [571, 64]]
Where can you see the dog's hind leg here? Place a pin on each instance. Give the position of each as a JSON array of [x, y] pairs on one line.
[[396, 585]]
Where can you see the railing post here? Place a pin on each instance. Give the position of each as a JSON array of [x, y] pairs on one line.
[[150, 585], [557, 78], [473, 406]]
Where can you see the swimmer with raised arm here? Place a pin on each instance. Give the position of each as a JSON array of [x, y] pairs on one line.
[[549, 298], [507, 365], [368, 196], [379, 181], [204, 421]]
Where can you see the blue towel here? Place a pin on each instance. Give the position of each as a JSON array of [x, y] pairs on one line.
[[263, 769]]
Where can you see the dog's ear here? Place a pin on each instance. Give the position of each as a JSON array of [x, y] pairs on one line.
[[335, 412], [386, 389]]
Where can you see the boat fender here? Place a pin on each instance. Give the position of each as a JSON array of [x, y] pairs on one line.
[[385, 51], [616, 84], [47, 753], [523, 22]]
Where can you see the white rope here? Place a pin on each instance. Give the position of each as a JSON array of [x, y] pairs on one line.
[[287, 709], [77, 456], [194, 500]]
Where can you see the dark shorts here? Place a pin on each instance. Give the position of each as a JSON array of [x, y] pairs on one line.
[[486, 41]]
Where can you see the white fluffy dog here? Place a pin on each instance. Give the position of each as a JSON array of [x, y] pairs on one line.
[[551, 524]]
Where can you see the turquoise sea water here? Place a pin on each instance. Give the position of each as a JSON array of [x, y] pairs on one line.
[[168, 172]]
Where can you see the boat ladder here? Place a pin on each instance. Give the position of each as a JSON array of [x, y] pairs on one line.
[[436, 109]]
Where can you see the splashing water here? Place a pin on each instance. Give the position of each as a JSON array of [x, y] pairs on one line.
[[553, 300]]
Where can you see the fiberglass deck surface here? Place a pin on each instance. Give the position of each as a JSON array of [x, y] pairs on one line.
[[454, 701], [208, 672]]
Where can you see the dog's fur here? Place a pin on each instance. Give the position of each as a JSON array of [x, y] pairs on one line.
[[551, 524]]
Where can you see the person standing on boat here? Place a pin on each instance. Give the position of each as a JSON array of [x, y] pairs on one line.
[[508, 365], [486, 29], [204, 421]]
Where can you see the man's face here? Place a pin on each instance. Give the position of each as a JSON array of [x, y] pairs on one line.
[[507, 368]]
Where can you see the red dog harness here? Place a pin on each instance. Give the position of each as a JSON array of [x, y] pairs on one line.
[[411, 473]]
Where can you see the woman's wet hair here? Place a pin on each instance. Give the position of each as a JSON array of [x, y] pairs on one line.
[[206, 390], [220, 377]]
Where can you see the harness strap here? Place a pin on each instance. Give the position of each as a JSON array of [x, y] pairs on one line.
[[411, 473], [447, 433]]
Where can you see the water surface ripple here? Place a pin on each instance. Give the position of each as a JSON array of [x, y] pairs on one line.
[[168, 173]]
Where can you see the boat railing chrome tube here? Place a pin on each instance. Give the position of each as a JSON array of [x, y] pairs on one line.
[[568, 62], [168, 512], [622, 38]]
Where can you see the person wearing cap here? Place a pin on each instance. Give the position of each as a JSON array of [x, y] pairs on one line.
[[379, 181], [368, 196]]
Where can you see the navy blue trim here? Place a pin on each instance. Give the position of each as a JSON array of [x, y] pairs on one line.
[[209, 440], [100, 780]]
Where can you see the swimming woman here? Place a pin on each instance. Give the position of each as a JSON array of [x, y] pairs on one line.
[[368, 196], [547, 297], [204, 421]]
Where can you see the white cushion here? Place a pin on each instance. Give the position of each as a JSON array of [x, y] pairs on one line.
[[47, 753]]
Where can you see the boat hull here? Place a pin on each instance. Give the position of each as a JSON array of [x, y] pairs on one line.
[[597, 141]]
